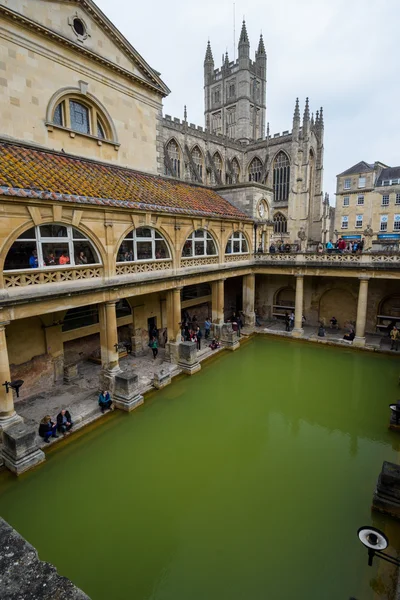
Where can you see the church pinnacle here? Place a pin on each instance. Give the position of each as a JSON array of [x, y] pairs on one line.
[[261, 47], [296, 115], [306, 116], [209, 56], [244, 38]]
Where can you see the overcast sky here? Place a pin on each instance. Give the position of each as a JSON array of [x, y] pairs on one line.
[[343, 54]]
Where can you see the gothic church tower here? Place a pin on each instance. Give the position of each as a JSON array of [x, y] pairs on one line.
[[235, 94]]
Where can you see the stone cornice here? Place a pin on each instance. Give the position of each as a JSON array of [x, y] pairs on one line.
[[157, 84]]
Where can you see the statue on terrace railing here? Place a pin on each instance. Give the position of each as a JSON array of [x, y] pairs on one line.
[[368, 233]]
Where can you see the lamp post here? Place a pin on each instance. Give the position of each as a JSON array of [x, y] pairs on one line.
[[15, 385], [376, 541]]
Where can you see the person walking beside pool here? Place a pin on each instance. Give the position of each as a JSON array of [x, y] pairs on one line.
[[199, 335], [394, 336], [287, 322], [207, 328], [154, 346], [291, 324], [105, 401], [64, 421], [47, 429]]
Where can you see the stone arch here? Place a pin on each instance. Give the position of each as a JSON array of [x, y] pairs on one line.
[[228, 236], [339, 303], [285, 296], [87, 99], [130, 230], [189, 236], [198, 158], [17, 233], [390, 306]]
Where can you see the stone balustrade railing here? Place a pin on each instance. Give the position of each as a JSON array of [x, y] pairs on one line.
[[15, 279], [307, 258]]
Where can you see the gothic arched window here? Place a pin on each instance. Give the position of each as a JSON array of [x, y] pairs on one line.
[[198, 160], [199, 243], [143, 243], [174, 156], [280, 223], [218, 167], [49, 246], [281, 177], [255, 170], [234, 176]]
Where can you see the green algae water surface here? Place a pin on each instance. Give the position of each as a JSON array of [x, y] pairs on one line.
[[247, 481]]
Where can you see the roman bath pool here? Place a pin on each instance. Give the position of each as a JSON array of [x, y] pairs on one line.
[[247, 481]]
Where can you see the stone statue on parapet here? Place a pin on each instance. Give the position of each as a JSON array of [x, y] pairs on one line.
[[303, 239], [368, 233]]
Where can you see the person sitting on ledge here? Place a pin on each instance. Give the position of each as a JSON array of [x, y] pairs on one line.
[[214, 344], [47, 429], [334, 323], [105, 401], [321, 330], [64, 421], [350, 336]]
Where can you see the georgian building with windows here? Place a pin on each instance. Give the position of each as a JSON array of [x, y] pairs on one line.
[[115, 220], [234, 154], [368, 201]]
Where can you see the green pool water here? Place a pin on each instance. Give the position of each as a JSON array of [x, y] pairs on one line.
[[246, 481]]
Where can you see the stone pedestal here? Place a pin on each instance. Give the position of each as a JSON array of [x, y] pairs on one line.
[[188, 361], [161, 379], [229, 338], [20, 448], [172, 352], [6, 422], [126, 393], [71, 373], [387, 494]]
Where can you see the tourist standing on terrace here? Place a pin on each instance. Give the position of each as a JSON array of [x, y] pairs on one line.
[[154, 346], [394, 336], [199, 335], [207, 328]]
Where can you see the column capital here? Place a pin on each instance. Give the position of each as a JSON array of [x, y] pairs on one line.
[[3, 325], [178, 288], [364, 278], [111, 302], [298, 275]]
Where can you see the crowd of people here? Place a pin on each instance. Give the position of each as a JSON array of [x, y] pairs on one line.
[[49, 428], [340, 246], [52, 260]]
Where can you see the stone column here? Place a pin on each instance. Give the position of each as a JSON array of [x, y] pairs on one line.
[[173, 324], [8, 416], [217, 308], [359, 340], [55, 349], [249, 285], [108, 341], [298, 311]]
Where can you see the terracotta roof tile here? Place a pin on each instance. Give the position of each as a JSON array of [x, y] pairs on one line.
[[31, 172]]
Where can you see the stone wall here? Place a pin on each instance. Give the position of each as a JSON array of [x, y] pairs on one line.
[[24, 575]]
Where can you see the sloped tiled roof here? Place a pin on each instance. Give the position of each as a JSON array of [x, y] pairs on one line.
[[387, 174], [361, 167], [36, 173]]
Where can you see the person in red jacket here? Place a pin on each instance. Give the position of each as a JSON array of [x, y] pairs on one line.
[[341, 245]]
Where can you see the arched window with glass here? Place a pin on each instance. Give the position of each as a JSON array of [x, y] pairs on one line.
[[255, 170], [281, 177], [82, 116], [237, 244], [143, 243], [197, 158], [199, 243], [280, 223], [50, 246], [175, 157]]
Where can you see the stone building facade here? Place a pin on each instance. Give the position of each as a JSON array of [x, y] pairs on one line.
[[368, 204], [98, 245], [272, 177]]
